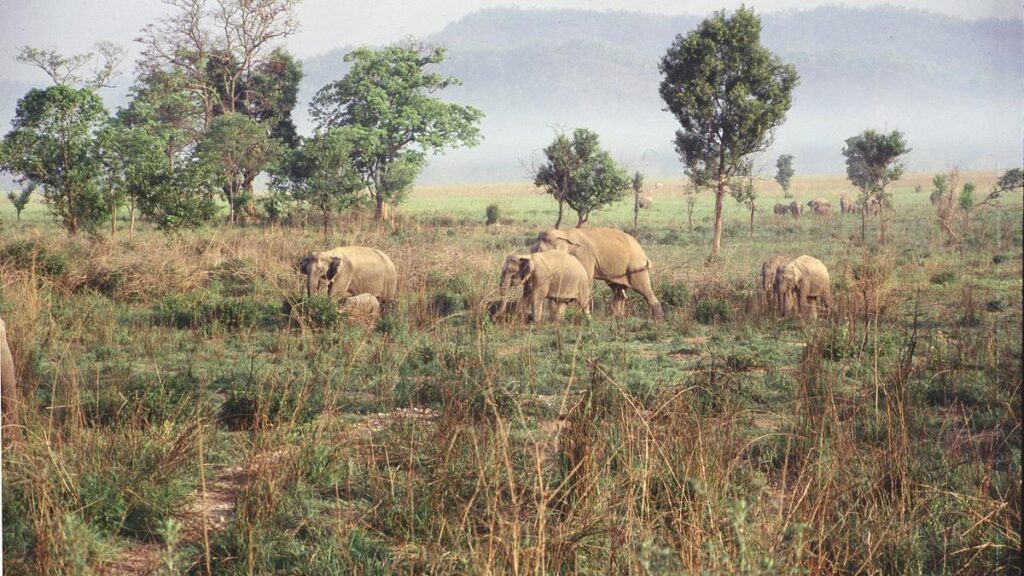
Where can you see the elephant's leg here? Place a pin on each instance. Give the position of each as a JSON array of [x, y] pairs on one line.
[[559, 310], [618, 299], [585, 306], [641, 282]]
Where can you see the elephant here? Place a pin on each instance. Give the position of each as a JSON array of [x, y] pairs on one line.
[[796, 209], [873, 205], [805, 279], [820, 206], [555, 276], [8, 387], [606, 254], [767, 277], [644, 201], [509, 278], [363, 308], [348, 271], [847, 206], [781, 209]]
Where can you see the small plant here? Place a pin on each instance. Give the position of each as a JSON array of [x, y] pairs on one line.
[[999, 258], [446, 303], [996, 305], [711, 311], [943, 278], [493, 214], [320, 311]]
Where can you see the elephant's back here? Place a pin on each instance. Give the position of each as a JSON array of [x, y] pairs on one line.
[[375, 272], [811, 265], [609, 245]]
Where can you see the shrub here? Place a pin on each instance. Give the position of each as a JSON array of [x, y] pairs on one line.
[[493, 214], [943, 278], [711, 311], [999, 258], [34, 255], [241, 312], [446, 303], [320, 311], [676, 294], [996, 305]]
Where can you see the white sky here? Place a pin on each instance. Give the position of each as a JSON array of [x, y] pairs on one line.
[[74, 25]]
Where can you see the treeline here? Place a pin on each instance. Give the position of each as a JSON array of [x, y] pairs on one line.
[[211, 109]]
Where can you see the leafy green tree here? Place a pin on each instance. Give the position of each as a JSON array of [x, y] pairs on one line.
[[387, 97], [741, 188], [872, 163], [52, 144], [784, 173], [638, 187], [20, 199], [321, 174], [729, 94], [581, 174], [233, 146]]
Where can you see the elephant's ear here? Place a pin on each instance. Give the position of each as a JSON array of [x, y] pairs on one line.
[[570, 242], [304, 264], [525, 268], [332, 269]]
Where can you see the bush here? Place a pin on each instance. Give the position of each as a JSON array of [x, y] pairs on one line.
[[493, 214], [999, 258], [943, 278], [711, 311], [34, 255], [320, 311], [447, 303], [676, 294]]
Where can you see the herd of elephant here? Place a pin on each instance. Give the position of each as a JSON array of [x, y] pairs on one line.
[[559, 268], [822, 207]]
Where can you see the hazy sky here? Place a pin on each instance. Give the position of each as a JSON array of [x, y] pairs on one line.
[[74, 25]]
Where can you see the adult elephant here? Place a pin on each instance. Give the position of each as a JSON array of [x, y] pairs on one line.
[[610, 255], [847, 205], [781, 209], [820, 206], [350, 270], [796, 209]]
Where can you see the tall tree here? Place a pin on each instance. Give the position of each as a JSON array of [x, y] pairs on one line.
[[872, 163], [62, 69], [221, 55], [729, 94], [52, 144], [387, 97], [581, 174], [784, 173]]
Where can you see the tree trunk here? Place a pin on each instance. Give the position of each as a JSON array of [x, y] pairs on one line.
[[863, 222], [689, 218], [581, 219], [881, 222], [752, 208], [113, 221], [561, 212], [636, 210], [716, 243], [131, 219]]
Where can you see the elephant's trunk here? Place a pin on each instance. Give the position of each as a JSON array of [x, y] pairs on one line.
[[311, 284], [503, 286]]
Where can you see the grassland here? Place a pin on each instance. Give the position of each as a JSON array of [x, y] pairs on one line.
[[176, 419]]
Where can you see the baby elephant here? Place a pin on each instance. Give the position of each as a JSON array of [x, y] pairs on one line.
[[767, 278], [804, 280], [361, 308], [555, 276]]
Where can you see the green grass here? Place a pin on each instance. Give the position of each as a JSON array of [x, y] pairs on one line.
[[722, 440]]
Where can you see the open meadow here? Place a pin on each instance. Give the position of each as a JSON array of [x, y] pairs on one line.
[[185, 408]]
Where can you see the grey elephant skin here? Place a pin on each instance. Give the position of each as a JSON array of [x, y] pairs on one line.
[[555, 276], [767, 277], [805, 282], [606, 254], [348, 271]]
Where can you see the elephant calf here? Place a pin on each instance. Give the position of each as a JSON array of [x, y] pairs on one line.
[[767, 278], [806, 282], [644, 201], [554, 276], [361, 308]]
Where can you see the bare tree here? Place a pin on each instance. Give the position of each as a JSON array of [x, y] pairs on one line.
[[106, 57]]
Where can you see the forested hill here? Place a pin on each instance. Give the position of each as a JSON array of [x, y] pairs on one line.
[[953, 86]]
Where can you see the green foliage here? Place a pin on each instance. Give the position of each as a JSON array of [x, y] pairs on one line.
[[320, 172], [20, 199], [580, 173], [872, 163], [728, 94], [235, 146], [784, 172], [35, 256], [387, 101], [944, 277], [675, 294], [711, 311], [52, 144], [493, 214], [320, 311]]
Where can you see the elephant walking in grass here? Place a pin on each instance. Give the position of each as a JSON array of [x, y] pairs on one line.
[[554, 276], [8, 389], [767, 278], [820, 206], [796, 209], [803, 283], [348, 271], [847, 206], [606, 254], [781, 209]]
